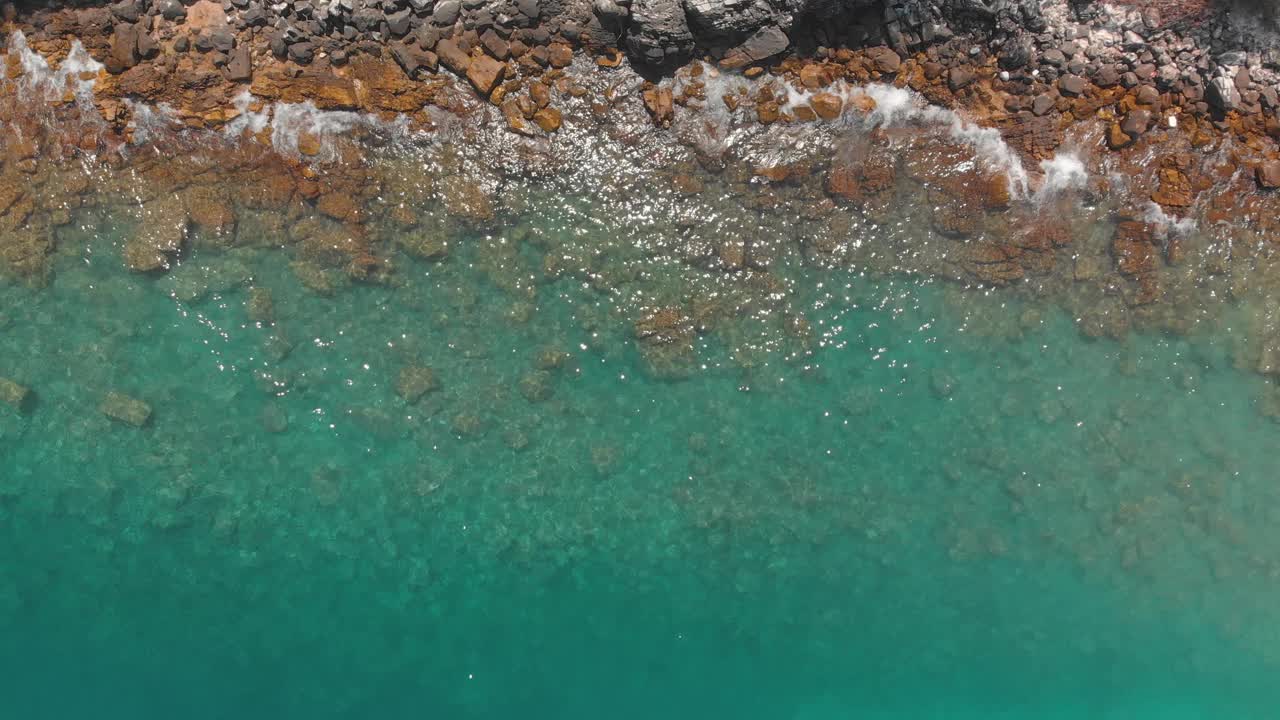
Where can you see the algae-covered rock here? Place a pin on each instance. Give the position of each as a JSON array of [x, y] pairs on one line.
[[416, 381], [159, 236], [16, 396], [126, 409]]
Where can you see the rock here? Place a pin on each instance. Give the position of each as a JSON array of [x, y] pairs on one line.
[[302, 52], [1117, 138], [159, 237], [18, 397], [559, 55], [1147, 95], [495, 45], [1222, 94], [398, 23], [1042, 104], [826, 105], [485, 73], [884, 60], [1268, 174], [659, 103], [1072, 84], [124, 48], [261, 306], [453, 57], [536, 386], [126, 409], [446, 12], [1136, 123], [1134, 248], [960, 77], [413, 60], [416, 381], [659, 33], [763, 44], [172, 10], [548, 119], [240, 67]]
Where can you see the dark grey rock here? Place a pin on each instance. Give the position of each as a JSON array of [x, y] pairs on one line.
[[172, 10], [302, 52], [1072, 84], [446, 13], [398, 23]]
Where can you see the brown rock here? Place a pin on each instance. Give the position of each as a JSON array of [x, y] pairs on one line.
[[240, 66], [559, 55], [826, 105], [884, 60], [960, 77], [1117, 138], [659, 103], [495, 45], [1133, 248], [1175, 189], [814, 76], [1268, 174], [485, 73], [452, 57], [548, 119]]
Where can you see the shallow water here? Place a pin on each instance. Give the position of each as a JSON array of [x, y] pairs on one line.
[[845, 488], [951, 505]]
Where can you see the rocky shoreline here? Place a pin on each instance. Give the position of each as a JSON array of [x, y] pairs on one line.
[[1031, 69], [823, 149]]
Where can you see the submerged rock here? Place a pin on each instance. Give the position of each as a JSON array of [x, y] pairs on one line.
[[126, 409], [416, 381], [19, 397]]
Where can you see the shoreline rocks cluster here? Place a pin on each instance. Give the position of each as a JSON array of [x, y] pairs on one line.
[[1031, 69]]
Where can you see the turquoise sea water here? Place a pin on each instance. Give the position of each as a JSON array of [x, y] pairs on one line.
[[951, 506]]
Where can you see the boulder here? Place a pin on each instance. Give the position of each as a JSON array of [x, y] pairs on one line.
[[1268, 174], [416, 381], [485, 73], [18, 397], [126, 409]]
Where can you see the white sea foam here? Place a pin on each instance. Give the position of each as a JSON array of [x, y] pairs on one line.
[[1166, 226], [147, 120], [246, 119], [39, 80], [1064, 171]]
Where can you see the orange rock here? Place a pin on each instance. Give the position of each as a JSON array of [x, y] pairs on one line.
[[559, 55], [826, 105], [814, 76], [1174, 190], [1134, 248], [659, 103], [485, 73], [1116, 137], [309, 143], [768, 112], [548, 119]]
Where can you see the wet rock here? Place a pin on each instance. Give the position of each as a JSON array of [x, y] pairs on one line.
[[261, 306], [536, 386], [416, 381], [1117, 138], [1136, 123], [1042, 104], [19, 397], [658, 101], [548, 119], [1268, 174], [275, 419], [485, 73], [1134, 248], [959, 78], [126, 409], [826, 106], [664, 325], [159, 237]]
